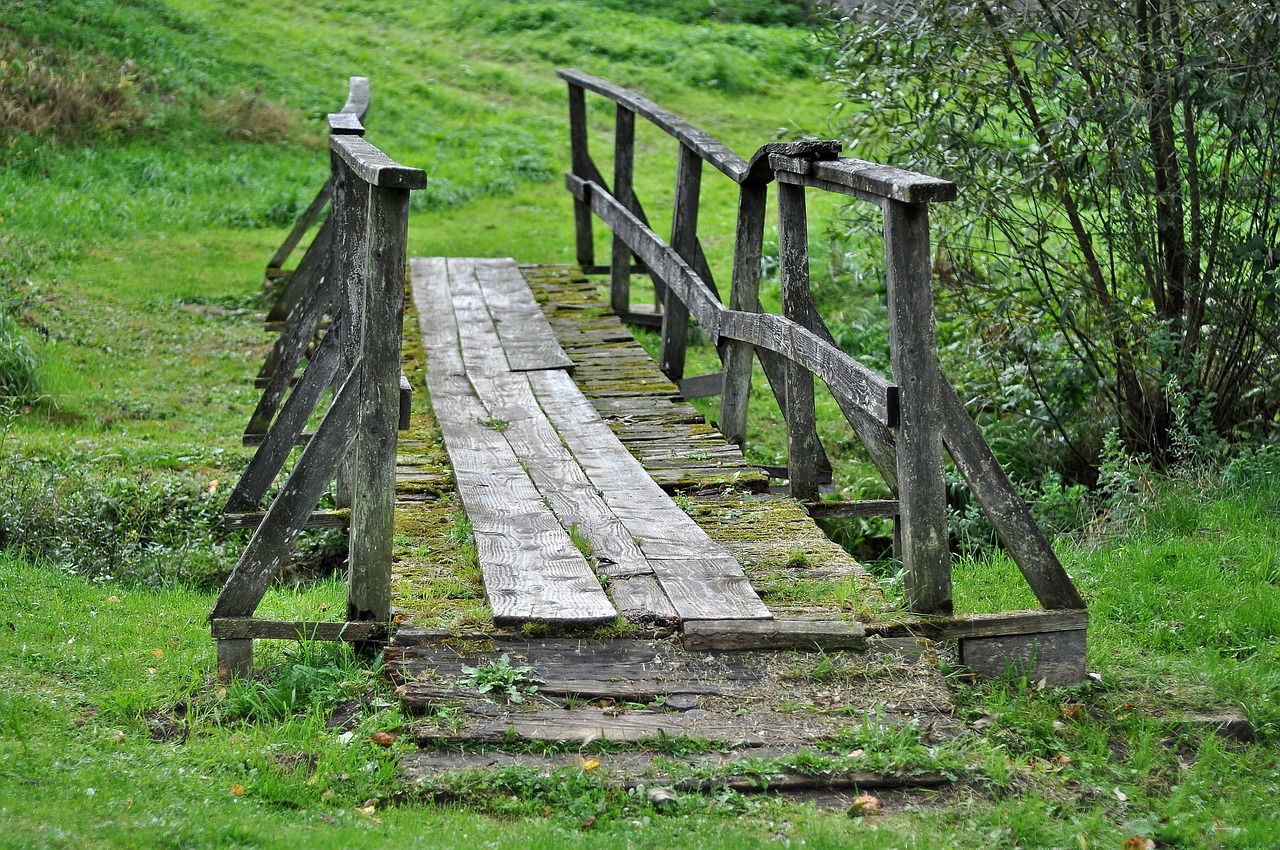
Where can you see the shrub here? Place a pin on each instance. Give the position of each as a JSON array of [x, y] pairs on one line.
[[19, 368]]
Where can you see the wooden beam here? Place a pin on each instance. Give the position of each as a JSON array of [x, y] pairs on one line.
[[826, 635], [249, 628]]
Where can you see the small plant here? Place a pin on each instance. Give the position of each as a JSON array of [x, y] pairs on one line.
[[500, 677], [495, 423], [581, 541]]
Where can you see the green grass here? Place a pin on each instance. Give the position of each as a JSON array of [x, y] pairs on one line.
[[131, 261]]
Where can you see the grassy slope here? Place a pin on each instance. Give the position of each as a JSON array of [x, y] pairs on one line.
[[138, 258]]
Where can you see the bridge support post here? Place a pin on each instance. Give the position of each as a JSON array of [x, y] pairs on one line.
[[744, 294], [914, 355]]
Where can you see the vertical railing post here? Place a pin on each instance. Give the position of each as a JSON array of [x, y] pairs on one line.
[[624, 150], [793, 258], [738, 357], [914, 356], [684, 239], [374, 484], [581, 164], [346, 286]]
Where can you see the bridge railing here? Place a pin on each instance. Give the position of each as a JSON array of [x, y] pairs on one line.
[[904, 424], [357, 279]]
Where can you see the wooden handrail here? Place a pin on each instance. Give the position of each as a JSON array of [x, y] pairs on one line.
[[357, 277], [904, 425]]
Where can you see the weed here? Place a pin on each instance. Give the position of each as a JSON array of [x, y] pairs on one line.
[[501, 678], [495, 423], [581, 541]]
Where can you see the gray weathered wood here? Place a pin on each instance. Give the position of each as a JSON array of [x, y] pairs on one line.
[[701, 581], [914, 355], [580, 162], [624, 141], [286, 430], [235, 659], [1057, 658], [374, 493], [701, 386], [374, 167], [299, 330], [825, 635], [318, 519], [308, 217], [310, 272], [346, 279], [760, 169], [274, 539], [248, 628], [744, 295], [701, 142], [846, 376], [532, 571], [344, 124], [799, 411], [984, 625], [850, 510], [527, 340], [357, 97], [870, 181], [684, 235], [1001, 503], [508, 398]]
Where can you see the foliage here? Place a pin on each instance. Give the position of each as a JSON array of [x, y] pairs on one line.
[[19, 368], [1116, 220], [501, 678]]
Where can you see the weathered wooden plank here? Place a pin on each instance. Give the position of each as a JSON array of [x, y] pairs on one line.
[[580, 162], [855, 176], [914, 355], [318, 519], [703, 143], [286, 430], [248, 628], [374, 486], [684, 235], [528, 342], [374, 167], [825, 635], [701, 588], [701, 386], [624, 141], [1001, 503], [344, 124], [287, 353], [985, 625], [799, 411], [300, 227], [509, 399], [594, 724], [346, 279], [357, 97], [1057, 658], [639, 598], [851, 510], [744, 295], [274, 539], [532, 571], [760, 169]]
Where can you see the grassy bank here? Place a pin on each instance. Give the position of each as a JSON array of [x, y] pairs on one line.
[[131, 261]]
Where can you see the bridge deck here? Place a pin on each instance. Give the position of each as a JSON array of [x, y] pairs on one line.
[[565, 443]]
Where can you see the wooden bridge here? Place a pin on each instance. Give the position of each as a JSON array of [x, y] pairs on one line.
[[599, 501]]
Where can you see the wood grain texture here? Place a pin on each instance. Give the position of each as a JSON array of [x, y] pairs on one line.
[[286, 430], [532, 570], [508, 399], [704, 144], [702, 582], [248, 628], [744, 295], [527, 341], [799, 411], [914, 355], [684, 238], [885, 182], [272, 543], [374, 486], [375, 167], [824, 635], [1057, 658], [580, 162], [624, 141]]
